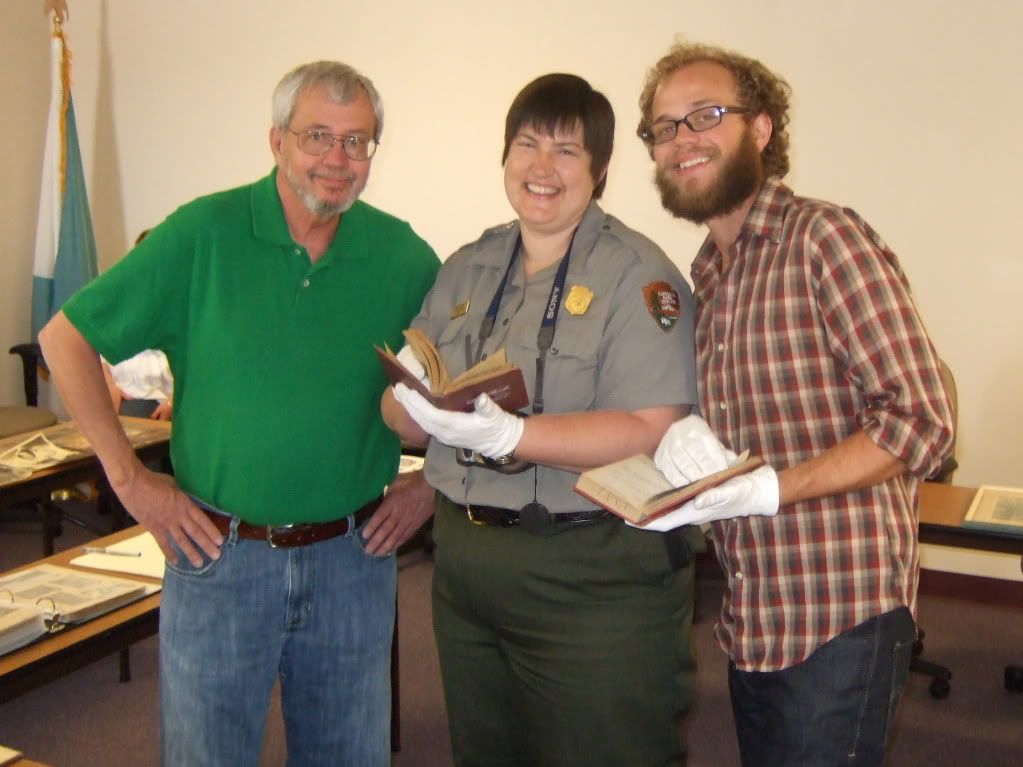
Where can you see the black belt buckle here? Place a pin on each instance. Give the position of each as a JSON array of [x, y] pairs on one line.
[[535, 519]]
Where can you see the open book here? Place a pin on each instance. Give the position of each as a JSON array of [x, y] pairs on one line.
[[635, 489], [45, 598], [494, 376]]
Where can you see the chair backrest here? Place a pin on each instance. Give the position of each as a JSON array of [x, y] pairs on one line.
[[950, 464], [31, 355]]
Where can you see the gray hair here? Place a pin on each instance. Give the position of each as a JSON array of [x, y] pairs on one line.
[[342, 82]]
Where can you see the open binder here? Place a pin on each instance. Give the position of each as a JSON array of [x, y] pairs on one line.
[[44, 599]]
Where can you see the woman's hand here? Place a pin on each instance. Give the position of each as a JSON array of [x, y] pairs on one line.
[[488, 430]]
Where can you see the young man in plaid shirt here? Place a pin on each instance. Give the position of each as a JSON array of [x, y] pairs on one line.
[[812, 355]]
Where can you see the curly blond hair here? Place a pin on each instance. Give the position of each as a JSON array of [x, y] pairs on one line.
[[758, 88]]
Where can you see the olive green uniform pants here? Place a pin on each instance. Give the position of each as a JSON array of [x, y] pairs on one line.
[[570, 649]]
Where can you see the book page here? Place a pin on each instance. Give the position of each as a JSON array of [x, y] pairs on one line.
[[633, 479], [18, 626]]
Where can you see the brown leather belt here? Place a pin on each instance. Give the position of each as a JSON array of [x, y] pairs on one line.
[[533, 518], [301, 534]]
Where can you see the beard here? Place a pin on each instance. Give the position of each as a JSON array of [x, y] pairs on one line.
[[739, 177], [316, 206]]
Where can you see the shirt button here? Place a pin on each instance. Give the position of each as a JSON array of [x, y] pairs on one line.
[[305, 283], [721, 347], [723, 405], [298, 251], [738, 576]]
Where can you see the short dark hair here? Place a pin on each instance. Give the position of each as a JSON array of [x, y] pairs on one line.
[[564, 101]]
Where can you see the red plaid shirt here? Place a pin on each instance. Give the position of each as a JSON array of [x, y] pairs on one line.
[[810, 335]]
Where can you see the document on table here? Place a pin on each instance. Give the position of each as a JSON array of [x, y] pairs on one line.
[[8, 755], [149, 561]]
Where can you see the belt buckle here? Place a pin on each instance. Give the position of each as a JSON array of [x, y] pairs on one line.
[[472, 517], [271, 531]]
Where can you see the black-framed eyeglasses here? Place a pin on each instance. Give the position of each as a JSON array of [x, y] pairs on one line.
[[697, 121], [318, 143]]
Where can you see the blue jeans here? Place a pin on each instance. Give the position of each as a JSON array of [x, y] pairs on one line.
[[834, 708], [320, 617]]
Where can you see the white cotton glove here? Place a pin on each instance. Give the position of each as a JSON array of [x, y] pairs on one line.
[[755, 493], [488, 430], [408, 358], [683, 515], [750, 494], [689, 451]]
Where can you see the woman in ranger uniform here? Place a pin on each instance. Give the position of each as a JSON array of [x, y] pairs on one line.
[[563, 634]]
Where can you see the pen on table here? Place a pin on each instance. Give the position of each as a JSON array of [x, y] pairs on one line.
[[114, 552]]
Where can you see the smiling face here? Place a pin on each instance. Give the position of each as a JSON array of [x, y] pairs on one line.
[[327, 185], [547, 179], [706, 175]]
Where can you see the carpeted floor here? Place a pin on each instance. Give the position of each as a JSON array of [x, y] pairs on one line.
[[88, 719]]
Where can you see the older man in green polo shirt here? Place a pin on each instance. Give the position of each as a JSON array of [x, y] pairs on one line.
[[268, 300]]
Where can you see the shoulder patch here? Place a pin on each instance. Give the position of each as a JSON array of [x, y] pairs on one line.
[[663, 303]]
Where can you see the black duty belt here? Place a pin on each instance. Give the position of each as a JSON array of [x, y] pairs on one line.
[[533, 518]]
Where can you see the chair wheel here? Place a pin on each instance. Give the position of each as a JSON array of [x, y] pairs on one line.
[[1014, 678], [940, 688]]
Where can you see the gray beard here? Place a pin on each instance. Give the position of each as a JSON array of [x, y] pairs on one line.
[[319, 208]]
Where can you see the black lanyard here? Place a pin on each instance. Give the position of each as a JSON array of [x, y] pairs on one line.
[[544, 337]]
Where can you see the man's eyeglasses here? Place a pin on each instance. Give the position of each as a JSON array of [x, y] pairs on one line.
[[697, 121], [318, 143]]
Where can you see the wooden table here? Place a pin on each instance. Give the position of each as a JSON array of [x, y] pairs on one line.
[[79, 645], [942, 508], [150, 438]]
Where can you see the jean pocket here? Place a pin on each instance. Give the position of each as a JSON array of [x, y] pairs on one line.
[[902, 655], [184, 567], [360, 544]]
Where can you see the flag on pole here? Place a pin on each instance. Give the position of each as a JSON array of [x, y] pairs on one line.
[[65, 252]]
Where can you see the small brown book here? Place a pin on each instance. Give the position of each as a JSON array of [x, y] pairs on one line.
[[494, 376], [635, 489]]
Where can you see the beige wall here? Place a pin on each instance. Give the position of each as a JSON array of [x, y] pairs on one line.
[[906, 111]]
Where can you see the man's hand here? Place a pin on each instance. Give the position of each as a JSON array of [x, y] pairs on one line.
[[752, 494], [747, 495], [406, 507], [689, 451], [157, 503], [488, 430], [163, 411]]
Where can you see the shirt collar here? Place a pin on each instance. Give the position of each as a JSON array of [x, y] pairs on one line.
[[268, 223], [590, 227], [765, 220]]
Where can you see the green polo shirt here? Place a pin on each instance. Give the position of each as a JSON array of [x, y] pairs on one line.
[[277, 387]]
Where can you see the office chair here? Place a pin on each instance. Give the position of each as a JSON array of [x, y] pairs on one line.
[[941, 676], [1014, 673]]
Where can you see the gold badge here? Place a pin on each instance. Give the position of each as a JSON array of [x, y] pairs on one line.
[[460, 310], [578, 299]]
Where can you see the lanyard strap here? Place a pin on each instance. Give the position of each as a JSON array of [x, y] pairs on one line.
[[544, 336]]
